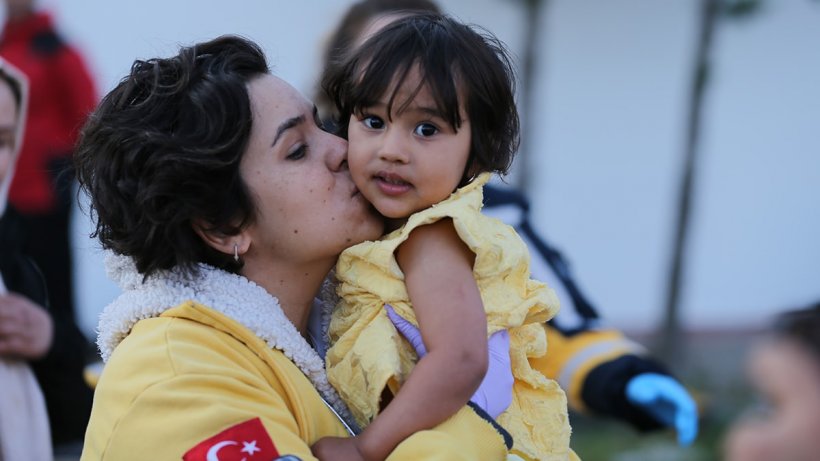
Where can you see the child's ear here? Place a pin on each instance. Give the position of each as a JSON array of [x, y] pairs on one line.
[[228, 244]]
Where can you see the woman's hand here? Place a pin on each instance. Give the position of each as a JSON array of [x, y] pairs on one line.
[[26, 329], [494, 394]]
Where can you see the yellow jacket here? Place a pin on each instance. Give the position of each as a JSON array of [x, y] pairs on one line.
[[177, 376]]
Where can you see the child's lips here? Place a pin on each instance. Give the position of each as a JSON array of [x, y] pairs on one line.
[[391, 184]]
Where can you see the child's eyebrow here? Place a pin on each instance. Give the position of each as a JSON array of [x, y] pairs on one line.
[[412, 108], [432, 111]]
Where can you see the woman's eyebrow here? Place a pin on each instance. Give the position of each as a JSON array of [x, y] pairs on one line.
[[286, 125]]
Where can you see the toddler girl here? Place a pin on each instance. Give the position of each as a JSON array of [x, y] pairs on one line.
[[428, 108]]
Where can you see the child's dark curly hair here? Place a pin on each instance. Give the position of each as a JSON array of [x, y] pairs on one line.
[[161, 154], [459, 64]]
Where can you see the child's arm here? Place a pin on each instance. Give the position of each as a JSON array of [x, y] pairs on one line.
[[438, 269]]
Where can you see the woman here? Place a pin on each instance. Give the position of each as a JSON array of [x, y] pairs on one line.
[[33, 337], [25, 328], [229, 206]]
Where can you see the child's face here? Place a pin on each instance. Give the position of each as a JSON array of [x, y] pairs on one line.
[[787, 377], [8, 128], [411, 160]]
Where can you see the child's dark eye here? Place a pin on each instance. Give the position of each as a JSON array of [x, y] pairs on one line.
[[297, 153], [373, 122], [426, 129]]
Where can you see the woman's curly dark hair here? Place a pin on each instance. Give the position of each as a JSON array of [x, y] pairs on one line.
[[462, 65], [161, 154]]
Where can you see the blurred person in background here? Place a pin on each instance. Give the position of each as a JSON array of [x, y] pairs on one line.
[[62, 93], [784, 369], [25, 327], [32, 338], [601, 370], [35, 225]]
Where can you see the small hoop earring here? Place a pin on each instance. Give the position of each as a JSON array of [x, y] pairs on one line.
[[236, 252]]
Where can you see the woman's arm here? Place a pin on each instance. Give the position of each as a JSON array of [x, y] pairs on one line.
[[438, 269]]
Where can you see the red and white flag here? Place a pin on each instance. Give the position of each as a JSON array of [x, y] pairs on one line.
[[247, 441]]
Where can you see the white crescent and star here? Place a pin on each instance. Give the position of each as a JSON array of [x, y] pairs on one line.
[[213, 452], [250, 447], [247, 447]]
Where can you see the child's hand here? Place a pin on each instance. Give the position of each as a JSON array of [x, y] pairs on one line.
[[337, 448]]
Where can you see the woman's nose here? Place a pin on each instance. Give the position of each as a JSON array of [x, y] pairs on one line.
[[336, 152]]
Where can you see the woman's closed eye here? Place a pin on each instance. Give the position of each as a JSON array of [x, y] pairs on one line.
[[426, 129], [297, 153]]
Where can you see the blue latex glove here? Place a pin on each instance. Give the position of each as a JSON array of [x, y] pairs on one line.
[[667, 401], [494, 394]]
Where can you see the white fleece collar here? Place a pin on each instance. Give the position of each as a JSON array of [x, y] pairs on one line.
[[232, 295]]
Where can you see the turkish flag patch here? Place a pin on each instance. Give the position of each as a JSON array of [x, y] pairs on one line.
[[245, 441]]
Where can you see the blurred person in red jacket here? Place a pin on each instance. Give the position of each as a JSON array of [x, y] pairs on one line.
[[62, 93]]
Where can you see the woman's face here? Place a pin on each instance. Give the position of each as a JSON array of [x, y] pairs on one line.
[[307, 208], [787, 377], [8, 128]]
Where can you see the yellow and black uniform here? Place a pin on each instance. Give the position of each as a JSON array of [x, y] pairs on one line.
[[591, 363], [190, 359]]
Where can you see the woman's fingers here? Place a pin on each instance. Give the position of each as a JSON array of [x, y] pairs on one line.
[[410, 332], [26, 329]]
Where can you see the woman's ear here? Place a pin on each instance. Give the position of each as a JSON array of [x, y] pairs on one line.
[[233, 245]]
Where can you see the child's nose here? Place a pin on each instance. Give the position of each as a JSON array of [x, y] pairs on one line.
[[394, 148]]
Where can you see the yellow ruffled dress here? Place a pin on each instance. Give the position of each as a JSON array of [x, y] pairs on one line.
[[368, 353]]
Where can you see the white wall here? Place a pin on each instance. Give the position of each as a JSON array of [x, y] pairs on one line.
[[615, 88], [611, 91]]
